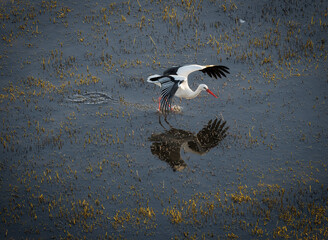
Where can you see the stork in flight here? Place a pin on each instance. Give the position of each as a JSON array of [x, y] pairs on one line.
[[174, 82]]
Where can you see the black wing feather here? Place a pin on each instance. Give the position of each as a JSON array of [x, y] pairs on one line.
[[168, 91], [216, 71], [171, 71]]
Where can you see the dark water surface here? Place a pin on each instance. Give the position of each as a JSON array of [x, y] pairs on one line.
[[85, 154]]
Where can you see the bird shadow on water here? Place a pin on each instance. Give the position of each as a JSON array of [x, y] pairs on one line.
[[168, 144]]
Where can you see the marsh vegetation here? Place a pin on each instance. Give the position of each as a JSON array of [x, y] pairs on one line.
[[78, 120]]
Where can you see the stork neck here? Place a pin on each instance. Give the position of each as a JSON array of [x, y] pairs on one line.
[[185, 92], [193, 94], [197, 91]]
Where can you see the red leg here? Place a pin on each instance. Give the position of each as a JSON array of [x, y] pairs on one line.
[[159, 103]]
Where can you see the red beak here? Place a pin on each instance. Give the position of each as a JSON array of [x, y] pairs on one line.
[[210, 92]]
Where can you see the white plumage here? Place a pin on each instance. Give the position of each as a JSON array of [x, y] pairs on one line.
[[174, 82]]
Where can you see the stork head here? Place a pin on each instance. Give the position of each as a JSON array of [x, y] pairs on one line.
[[204, 87]]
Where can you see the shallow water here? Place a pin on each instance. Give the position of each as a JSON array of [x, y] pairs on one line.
[[85, 153]]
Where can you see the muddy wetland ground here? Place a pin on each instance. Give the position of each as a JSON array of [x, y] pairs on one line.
[[86, 155]]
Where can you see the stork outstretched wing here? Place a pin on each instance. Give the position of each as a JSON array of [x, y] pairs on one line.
[[211, 70], [169, 86], [216, 71]]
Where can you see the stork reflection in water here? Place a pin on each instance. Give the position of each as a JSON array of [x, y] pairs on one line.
[[167, 145]]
